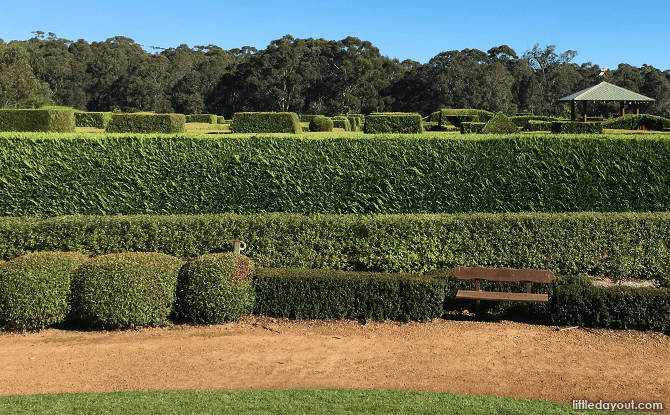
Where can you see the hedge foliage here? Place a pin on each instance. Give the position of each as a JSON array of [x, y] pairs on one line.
[[37, 120], [146, 123], [125, 290], [321, 123], [53, 175], [215, 289], [92, 119], [472, 127], [327, 294], [613, 244], [571, 127], [393, 123], [266, 122], [500, 124], [632, 121], [35, 289], [524, 120], [202, 118], [612, 307], [534, 125], [357, 121], [457, 116], [341, 122]]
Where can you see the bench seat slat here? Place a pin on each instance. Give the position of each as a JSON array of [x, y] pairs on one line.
[[502, 296]]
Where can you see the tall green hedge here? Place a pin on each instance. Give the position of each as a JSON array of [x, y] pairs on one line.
[[393, 123], [327, 294], [92, 119], [567, 243], [37, 120], [146, 123], [456, 116], [356, 121], [52, 175], [266, 122]]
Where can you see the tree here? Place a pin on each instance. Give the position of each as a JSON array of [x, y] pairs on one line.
[[18, 80]]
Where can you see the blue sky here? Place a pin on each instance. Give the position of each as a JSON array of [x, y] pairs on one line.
[[606, 33]]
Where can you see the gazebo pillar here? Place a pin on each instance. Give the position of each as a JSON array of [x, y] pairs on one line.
[[573, 111], [585, 116], [622, 105]]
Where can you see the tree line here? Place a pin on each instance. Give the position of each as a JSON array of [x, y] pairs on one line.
[[306, 76]]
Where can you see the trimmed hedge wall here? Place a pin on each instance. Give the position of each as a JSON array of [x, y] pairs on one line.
[[146, 123], [523, 120], [266, 122], [37, 120], [570, 127], [632, 121], [612, 307], [393, 123], [568, 243], [534, 125], [321, 123], [455, 117], [92, 119], [357, 121], [220, 119], [202, 118], [326, 294], [341, 122], [194, 174]]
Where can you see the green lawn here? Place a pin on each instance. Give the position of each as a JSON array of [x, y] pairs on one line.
[[324, 401]]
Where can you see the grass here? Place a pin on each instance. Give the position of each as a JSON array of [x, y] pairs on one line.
[[322, 401]]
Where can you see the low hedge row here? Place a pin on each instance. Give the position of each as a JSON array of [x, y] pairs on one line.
[[534, 125], [321, 123], [384, 123], [457, 116], [92, 119], [570, 127], [612, 244], [266, 122], [38, 120], [146, 123], [523, 121], [341, 122], [122, 290], [202, 118], [326, 294], [472, 127], [357, 121], [632, 121]]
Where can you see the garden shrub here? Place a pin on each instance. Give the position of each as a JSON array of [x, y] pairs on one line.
[[616, 307], [321, 123], [472, 127], [146, 123], [327, 294], [215, 288], [35, 289], [341, 122], [202, 118], [522, 121], [37, 120], [499, 124], [266, 122], [220, 119], [570, 127], [393, 123], [92, 119], [455, 117], [125, 290], [633, 121]]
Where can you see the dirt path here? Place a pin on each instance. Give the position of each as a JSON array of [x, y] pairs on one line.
[[467, 357]]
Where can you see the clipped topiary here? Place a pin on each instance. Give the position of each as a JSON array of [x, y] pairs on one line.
[[341, 122], [500, 124], [321, 123], [126, 290], [215, 289], [35, 289]]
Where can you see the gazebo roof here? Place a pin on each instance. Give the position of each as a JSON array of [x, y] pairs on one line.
[[605, 91]]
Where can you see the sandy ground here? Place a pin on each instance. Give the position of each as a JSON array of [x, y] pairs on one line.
[[498, 358]]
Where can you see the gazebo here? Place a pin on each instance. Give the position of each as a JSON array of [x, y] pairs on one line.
[[604, 92]]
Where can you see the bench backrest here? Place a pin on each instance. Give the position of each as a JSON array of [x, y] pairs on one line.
[[504, 274]]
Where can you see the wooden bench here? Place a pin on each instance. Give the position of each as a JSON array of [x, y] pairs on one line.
[[505, 275]]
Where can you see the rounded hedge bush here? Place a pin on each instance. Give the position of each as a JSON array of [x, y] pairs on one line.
[[321, 123], [125, 290], [35, 289], [215, 288]]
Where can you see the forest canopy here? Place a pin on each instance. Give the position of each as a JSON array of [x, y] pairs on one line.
[[306, 76]]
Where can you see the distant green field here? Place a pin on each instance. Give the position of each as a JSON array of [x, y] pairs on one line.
[[323, 401]]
